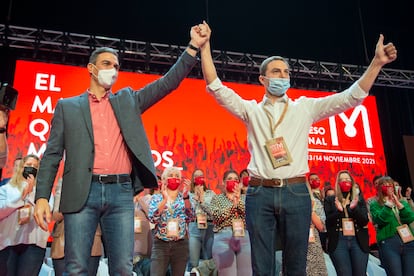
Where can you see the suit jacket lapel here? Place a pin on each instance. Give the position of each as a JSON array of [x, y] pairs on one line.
[[86, 112]]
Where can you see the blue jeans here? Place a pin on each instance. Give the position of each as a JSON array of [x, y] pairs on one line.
[[143, 267], [165, 253], [59, 265], [228, 262], [22, 260], [282, 213], [200, 241], [112, 206], [348, 257], [397, 257]]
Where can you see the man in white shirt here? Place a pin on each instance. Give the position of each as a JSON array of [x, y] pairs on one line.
[[278, 204]]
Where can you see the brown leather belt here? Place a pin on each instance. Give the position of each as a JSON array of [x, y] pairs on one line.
[[275, 182]]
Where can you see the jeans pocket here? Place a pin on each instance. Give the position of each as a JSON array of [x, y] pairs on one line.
[[127, 187], [251, 191], [298, 189]]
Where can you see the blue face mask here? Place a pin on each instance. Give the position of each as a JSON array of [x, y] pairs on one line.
[[278, 86]]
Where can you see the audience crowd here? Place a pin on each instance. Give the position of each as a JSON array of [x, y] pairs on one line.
[[185, 227]]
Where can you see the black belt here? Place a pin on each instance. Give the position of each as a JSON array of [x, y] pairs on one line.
[[276, 182], [111, 178]]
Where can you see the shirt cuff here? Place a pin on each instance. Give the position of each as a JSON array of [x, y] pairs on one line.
[[189, 59], [215, 85]]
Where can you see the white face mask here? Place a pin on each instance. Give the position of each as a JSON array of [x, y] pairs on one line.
[[106, 77], [278, 86]]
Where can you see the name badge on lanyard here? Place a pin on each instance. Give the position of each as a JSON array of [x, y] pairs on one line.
[[348, 228], [23, 215], [238, 228], [201, 221], [172, 228], [278, 152], [312, 238], [405, 233], [137, 225]]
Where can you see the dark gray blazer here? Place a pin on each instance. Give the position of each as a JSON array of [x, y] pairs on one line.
[[71, 135]]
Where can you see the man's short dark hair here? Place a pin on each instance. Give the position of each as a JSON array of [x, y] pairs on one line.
[[100, 50]]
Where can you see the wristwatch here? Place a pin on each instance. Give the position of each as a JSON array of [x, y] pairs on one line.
[[191, 46], [3, 129]]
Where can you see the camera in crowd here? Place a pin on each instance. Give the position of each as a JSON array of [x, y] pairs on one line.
[[8, 97]]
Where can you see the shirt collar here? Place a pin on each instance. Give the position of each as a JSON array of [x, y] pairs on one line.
[[266, 100], [94, 98]]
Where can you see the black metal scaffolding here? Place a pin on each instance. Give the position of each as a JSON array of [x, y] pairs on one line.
[[138, 56]]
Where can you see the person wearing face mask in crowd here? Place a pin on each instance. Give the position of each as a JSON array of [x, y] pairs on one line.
[[143, 231], [318, 197], [397, 191], [395, 236], [170, 211], [408, 197], [369, 200], [346, 223], [244, 178], [231, 247], [315, 264], [108, 158], [315, 185], [22, 241], [375, 180], [201, 229], [277, 200]]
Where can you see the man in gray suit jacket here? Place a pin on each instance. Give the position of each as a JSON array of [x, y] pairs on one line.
[[107, 159]]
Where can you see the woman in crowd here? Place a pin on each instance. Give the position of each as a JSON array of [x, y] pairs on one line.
[[22, 241], [231, 247], [57, 252], [395, 239], [315, 260], [201, 229], [318, 198], [244, 179], [170, 211], [143, 230], [346, 223]]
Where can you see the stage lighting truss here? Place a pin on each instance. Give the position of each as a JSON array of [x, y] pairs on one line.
[[149, 57]]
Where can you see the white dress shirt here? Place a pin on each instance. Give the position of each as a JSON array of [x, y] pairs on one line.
[[294, 128]]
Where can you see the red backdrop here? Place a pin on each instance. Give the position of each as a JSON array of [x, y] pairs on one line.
[[190, 130]]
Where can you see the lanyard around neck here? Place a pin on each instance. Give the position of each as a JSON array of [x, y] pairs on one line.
[[282, 116], [343, 203], [396, 214]]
